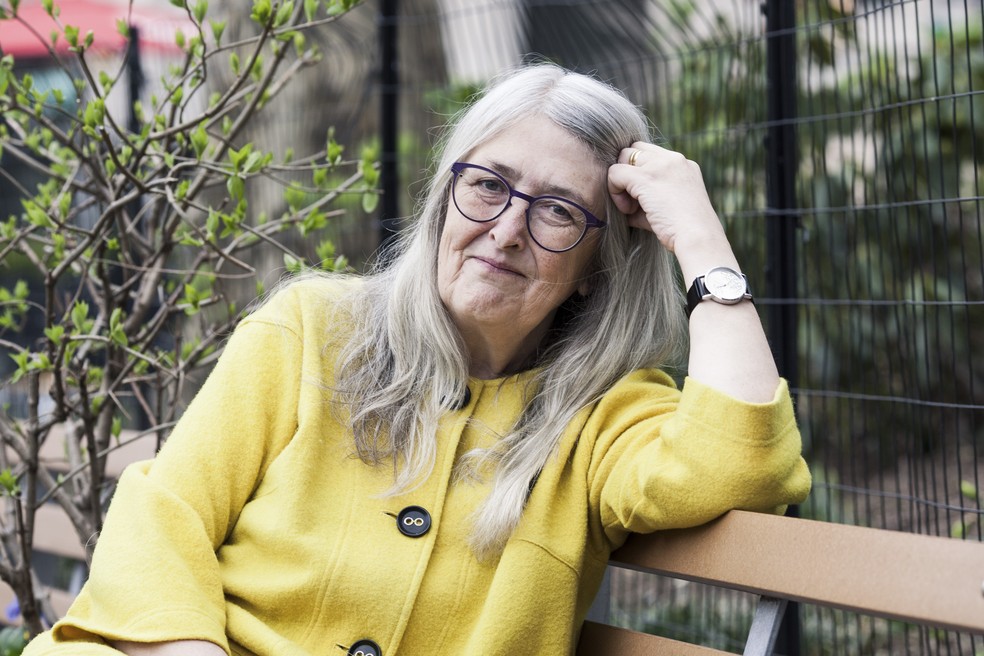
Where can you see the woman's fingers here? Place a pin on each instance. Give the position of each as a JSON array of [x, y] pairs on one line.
[[662, 191]]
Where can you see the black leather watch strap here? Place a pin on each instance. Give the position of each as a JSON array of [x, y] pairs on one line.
[[698, 292], [695, 294]]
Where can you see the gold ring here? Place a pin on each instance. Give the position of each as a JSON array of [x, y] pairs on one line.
[[632, 157]]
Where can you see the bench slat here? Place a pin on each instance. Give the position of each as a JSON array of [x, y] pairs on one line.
[[914, 578], [605, 639]]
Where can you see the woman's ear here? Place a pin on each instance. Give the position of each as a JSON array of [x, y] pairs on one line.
[[586, 286]]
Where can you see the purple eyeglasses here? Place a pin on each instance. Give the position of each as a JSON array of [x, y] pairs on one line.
[[556, 224]]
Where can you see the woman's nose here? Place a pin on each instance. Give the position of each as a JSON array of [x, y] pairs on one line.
[[509, 229]]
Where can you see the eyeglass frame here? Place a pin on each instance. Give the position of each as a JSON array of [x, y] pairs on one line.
[[590, 220]]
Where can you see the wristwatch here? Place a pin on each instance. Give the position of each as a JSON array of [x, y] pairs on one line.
[[720, 284]]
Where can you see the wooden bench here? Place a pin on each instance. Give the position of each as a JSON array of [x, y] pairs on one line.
[[921, 579]]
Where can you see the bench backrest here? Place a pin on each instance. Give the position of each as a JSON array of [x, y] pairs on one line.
[[914, 578]]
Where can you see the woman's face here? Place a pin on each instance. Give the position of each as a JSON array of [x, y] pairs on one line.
[[493, 276]]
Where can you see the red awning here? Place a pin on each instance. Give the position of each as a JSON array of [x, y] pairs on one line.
[[158, 26]]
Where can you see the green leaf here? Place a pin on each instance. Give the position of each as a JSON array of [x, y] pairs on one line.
[[95, 112], [218, 29], [80, 316], [117, 426], [370, 200], [21, 290], [315, 220], [22, 359], [72, 35], [295, 197], [283, 13], [48, 6], [55, 334], [252, 163], [333, 150], [8, 482], [292, 264], [236, 187], [311, 9], [325, 250], [192, 299], [36, 216], [212, 222], [200, 9], [123, 28], [199, 140], [968, 490], [261, 11], [116, 332]]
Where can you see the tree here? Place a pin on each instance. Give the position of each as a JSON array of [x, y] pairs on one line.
[[124, 250]]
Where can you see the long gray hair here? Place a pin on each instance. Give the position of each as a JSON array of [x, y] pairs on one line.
[[406, 364]]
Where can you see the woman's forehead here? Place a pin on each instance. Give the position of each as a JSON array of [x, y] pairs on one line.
[[546, 159]]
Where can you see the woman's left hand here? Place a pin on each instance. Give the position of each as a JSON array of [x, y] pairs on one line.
[[662, 191]]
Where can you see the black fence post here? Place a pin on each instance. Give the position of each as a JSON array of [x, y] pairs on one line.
[[389, 97], [135, 78], [781, 223]]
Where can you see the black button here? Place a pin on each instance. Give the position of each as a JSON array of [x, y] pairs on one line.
[[365, 648], [413, 521], [463, 401]]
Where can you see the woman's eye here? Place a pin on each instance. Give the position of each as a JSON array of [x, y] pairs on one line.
[[560, 212], [491, 185]]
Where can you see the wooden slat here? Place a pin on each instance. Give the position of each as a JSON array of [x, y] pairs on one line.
[[915, 578], [602, 639]]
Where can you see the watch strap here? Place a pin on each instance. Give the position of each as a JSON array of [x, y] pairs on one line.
[[695, 294], [698, 292]]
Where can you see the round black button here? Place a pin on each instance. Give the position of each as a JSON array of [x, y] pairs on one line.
[[413, 521], [365, 648], [461, 403]]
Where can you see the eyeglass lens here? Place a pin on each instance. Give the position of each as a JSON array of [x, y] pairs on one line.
[[554, 223]]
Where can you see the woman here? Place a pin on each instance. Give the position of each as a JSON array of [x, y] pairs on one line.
[[439, 458]]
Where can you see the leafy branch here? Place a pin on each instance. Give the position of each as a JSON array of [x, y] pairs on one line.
[[130, 252]]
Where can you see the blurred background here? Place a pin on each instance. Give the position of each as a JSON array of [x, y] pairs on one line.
[[841, 142]]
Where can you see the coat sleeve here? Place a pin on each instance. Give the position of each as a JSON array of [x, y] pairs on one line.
[[154, 574], [665, 459]]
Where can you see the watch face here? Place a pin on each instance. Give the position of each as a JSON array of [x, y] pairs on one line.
[[725, 284]]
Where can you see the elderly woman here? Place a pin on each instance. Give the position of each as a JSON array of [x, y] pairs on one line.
[[439, 457]]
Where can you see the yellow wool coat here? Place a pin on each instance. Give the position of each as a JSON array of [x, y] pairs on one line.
[[257, 529]]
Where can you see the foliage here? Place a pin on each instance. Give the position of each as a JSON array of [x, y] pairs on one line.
[[116, 268], [13, 639]]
